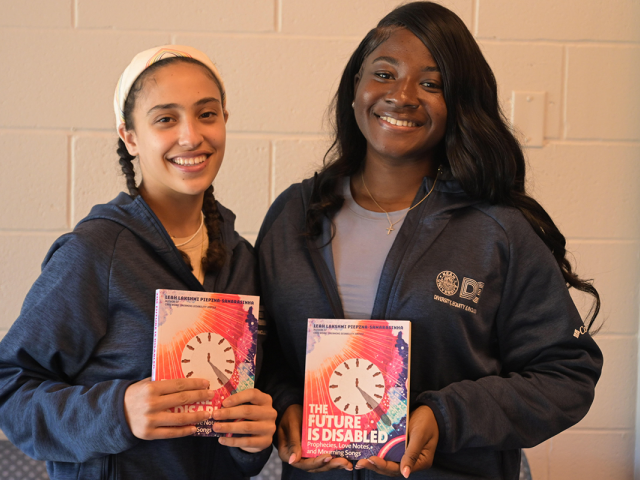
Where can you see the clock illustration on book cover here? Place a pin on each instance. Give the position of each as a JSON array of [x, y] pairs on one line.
[[357, 387], [211, 356]]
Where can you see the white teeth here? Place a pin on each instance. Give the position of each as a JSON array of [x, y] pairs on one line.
[[400, 123], [189, 161]]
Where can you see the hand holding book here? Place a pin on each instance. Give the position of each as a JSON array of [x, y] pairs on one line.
[[213, 336], [146, 406], [423, 434], [248, 413], [290, 446]]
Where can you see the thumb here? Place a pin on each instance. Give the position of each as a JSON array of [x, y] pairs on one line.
[[289, 443], [294, 450], [410, 457], [423, 438]]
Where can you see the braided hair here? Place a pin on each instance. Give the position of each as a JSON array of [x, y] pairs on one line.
[[216, 253]]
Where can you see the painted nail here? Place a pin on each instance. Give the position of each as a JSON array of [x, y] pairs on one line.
[[405, 472], [292, 458], [326, 460], [371, 461]]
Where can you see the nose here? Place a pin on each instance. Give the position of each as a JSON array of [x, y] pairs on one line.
[[190, 135], [403, 93]]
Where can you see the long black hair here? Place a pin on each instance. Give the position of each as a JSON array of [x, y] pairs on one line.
[[216, 253], [478, 148]]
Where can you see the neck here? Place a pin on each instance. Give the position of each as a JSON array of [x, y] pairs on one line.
[[394, 187], [180, 216]]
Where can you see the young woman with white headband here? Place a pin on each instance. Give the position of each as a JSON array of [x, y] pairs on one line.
[[75, 366]]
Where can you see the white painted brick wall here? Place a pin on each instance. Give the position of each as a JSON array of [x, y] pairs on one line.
[[603, 92], [529, 67], [281, 60], [567, 20], [187, 16]]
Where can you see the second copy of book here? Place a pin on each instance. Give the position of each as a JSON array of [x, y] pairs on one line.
[[355, 392], [206, 335]]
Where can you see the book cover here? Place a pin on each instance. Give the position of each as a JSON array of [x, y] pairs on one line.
[[206, 335], [355, 392]]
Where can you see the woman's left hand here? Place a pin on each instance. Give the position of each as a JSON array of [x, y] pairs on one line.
[[423, 436], [253, 414]]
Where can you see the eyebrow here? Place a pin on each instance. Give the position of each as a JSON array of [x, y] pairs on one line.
[[394, 62], [167, 106]]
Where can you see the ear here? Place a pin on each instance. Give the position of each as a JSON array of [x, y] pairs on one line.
[[356, 82], [226, 116], [129, 138]]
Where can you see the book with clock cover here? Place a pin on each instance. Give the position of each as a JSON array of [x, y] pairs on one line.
[[206, 335], [355, 391]]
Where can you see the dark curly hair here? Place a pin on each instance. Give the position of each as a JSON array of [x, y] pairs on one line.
[[478, 149]]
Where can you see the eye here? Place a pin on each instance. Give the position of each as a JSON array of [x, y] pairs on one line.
[[209, 114], [164, 119], [431, 85], [384, 75]]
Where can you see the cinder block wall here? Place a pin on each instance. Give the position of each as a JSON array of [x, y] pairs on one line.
[[281, 61]]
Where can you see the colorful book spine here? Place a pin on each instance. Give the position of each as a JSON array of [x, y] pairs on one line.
[[206, 335], [356, 385]]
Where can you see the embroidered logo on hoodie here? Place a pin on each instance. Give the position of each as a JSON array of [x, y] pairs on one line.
[[447, 282], [471, 289]]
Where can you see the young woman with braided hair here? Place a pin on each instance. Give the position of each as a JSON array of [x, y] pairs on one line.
[[420, 213], [215, 255], [75, 366]]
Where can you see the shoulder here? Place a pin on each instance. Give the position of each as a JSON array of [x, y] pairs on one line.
[[289, 205], [232, 239], [517, 230], [100, 229], [95, 239], [291, 197]]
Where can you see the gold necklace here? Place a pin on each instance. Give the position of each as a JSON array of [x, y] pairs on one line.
[[192, 236], [202, 253], [391, 224]]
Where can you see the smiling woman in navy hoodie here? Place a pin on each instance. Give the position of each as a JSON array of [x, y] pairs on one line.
[[74, 367], [421, 214]]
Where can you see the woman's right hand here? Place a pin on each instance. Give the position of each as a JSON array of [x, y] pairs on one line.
[[146, 404], [290, 447]]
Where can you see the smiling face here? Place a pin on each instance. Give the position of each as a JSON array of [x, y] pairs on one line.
[[179, 131], [399, 102]]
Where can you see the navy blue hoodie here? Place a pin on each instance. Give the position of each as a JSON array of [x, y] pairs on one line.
[[497, 352], [85, 333]]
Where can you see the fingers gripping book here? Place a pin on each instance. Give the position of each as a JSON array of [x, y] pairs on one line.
[[206, 335]]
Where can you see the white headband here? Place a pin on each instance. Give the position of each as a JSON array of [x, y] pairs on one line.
[[144, 60]]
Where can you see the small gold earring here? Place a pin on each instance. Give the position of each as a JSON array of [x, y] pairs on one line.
[[353, 104]]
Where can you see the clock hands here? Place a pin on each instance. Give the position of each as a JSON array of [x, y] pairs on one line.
[[222, 378], [373, 404]]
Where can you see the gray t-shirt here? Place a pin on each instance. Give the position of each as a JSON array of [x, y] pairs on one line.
[[360, 247]]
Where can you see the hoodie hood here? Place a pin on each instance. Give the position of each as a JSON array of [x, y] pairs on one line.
[[135, 215]]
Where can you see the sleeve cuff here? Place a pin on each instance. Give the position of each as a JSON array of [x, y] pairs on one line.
[[250, 463], [440, 420]]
